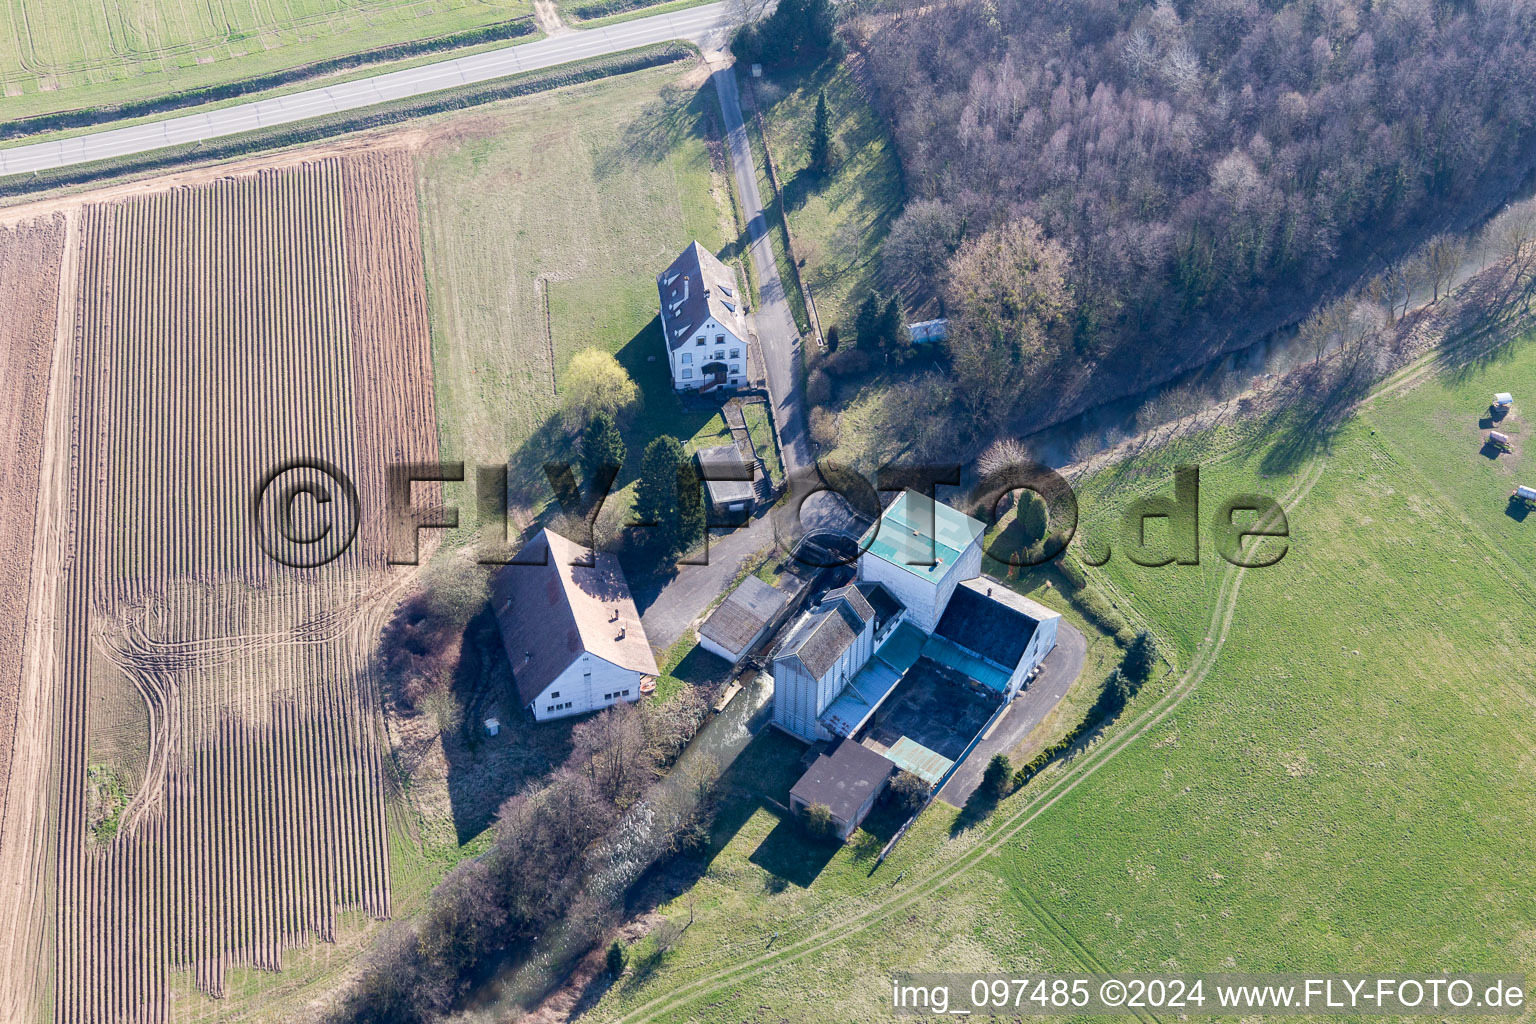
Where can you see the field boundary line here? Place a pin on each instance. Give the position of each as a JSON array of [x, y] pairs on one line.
[[1002, 832]]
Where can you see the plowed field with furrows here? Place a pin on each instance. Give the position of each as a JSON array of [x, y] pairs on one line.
[[215, 332]]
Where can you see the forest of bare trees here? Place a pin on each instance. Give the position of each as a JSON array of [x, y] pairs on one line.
[[1158, 177]]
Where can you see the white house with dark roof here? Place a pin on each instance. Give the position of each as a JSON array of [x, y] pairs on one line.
[[570, 628], [825, 648], [1002, 628], [703, 320]]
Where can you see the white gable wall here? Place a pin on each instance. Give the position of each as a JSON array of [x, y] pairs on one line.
[[1041, 644], [584, 685], [699, 355]]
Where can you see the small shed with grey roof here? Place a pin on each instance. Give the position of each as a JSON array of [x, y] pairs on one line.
[[846, 780], [729, 482], [742, 620]]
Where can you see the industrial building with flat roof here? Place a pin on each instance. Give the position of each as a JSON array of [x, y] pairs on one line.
[[919, 656]]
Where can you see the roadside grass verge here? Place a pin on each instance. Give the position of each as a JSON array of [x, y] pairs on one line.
[[86, 63], [67, 124], [771, 204], [760, 427], [839, 217], [327, 127], [611, 12]]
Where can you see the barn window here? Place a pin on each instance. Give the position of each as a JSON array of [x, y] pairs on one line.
[[626, 693]]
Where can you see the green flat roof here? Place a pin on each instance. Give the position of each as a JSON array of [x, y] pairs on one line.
[[928, 765], [923, 536], [902, 647], [946, 653]]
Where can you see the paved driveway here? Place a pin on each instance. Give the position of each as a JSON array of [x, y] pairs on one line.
[[1059, 670]]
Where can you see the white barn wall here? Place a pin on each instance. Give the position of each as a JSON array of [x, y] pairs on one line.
[[799, 698], [1040, 644], [586, 694]]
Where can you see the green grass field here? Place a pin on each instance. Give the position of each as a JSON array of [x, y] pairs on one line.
[[581, 194], [1337, 777], [63, 56]]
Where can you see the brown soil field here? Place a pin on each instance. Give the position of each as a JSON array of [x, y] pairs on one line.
[[31, 255], [207, 332]]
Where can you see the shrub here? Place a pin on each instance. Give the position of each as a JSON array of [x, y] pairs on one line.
[[1140, 657], [823, 427], [847, 361], [594, 382], [997, 775], [797, 30], [909, 790], [818, 388], [601, 445], [818, 821]]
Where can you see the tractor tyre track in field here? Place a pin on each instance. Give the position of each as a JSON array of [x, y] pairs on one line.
[[1084, 766]]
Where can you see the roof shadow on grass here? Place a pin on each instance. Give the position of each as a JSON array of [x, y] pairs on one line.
[[791, 855]]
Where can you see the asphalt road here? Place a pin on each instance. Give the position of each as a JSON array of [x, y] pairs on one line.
[[1028, 709], [706, 26], [777, 336]]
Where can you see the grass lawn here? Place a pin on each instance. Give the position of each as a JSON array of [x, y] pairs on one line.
[[1346, 789], [572, 11], [760, 428], [838, 219], [579, 195], [67, 55]]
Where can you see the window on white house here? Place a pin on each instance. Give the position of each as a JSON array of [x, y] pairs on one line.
[[735, 367], [687, 373], [687, 357], [626, 693], [699, 340], [567, 703], [735, 353], [555, 695], [719, 339], [720, 353], [607, 696]]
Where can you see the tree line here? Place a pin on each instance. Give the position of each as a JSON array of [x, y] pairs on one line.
[[1102, 189]]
